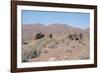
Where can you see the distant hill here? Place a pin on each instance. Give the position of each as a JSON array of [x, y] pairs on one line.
[[62, 28], [87, 29]]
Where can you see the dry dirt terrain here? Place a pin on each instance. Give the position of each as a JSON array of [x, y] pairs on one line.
[[55, 42]]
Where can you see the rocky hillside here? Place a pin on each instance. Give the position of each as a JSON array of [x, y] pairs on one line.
[[54, 42], [29, 30]]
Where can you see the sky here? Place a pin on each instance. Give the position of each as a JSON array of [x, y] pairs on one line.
[[74, 19]]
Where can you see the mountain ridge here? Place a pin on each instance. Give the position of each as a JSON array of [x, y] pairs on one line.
[[30, 29]]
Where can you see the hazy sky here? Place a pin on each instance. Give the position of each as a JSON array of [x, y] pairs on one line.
[[75, 19]]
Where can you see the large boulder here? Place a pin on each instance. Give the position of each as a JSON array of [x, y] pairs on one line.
[[39, 35]]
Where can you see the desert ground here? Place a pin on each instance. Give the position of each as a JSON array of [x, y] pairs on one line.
[[55, 42]]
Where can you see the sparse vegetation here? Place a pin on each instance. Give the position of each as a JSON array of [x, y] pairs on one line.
[[56, 45]]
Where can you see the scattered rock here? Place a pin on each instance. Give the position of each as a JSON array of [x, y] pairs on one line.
[[39, 35], [25, 43]]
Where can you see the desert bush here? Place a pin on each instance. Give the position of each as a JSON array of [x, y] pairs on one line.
[[29, 53], [42, 43], [33, 54], [24, 60], [35, 48], [52, 44]]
